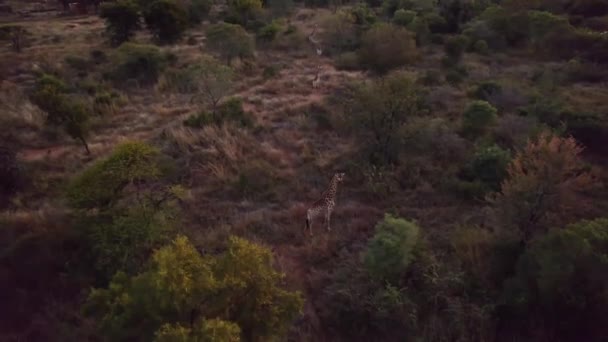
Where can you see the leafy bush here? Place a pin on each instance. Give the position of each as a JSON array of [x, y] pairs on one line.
[[122, 19], [455, 47], [477, 118], [403, 17], [347, 61], [489, 166], [183, 287], [212, 81], [269, 32], [230, 41], [166, 20], [454, 75], [560, 279], [340, 33], [102, 183], [198, 10], [245, 9], [485, 90], [392, 248], [143, 63], [481, 47], [378, 112], [420, 27], [385, 47], [68, 112], [122, 240], [548, 165]]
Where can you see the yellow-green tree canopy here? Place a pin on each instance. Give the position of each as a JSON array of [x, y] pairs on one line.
[[185, 294], [102, 183]]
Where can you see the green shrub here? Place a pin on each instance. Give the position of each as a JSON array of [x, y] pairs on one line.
[[455, 47], [214, 330], [77, 63], [122, 19], [481, 47], [340, 33], [198, 10], [364, 17], [124, 239], [62, 109], [166, 20], [139, 62], [403, 17], [347, 61], [269, 32], [489, 166], [230, 41], [102, 184], [455, 76], [244, 10], [392, 249], [477, 118], [385, 47], [232, 110], [199, 120], [420, 27], [378, 113], [485, 90], [561, 278]]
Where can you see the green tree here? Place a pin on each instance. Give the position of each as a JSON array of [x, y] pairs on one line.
[[378, 112], [245, 9], [489, 165], [230, 41], [477, 118], [561, 283], [392, 249], [385, 47], [455, 47], [166, 20], [182, 288], [403, 17], [101, 185], [51, 95], [122, 19], [213, 82], [140, 62], [199, 10]]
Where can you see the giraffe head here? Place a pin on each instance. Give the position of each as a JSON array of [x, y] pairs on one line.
[[339, 176]]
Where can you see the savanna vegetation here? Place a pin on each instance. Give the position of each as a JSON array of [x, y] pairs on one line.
[[157, 160]]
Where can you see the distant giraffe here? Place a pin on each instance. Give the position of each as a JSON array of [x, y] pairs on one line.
[[317, 80], [324, 205]]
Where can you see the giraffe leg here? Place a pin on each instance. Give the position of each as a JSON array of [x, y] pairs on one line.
[[328, 218], [309, 222]]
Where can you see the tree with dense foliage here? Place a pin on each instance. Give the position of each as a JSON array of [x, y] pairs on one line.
[[561, 284], [166, 19], [212, 330], [122, 19], [199, 10], [69, 112], [230, 41], [245, 9], [140, 62], [379, 110], [386, 46], [131, 163], [235, 291], [392, 248], [543, 179], [477, 118]]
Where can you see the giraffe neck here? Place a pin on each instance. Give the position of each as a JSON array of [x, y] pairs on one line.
[[333, 187]]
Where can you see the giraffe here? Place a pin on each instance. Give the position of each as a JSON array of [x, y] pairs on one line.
[[317, 80], [325, 205]]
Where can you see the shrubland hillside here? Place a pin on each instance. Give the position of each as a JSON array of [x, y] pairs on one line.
[[158, 160]]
